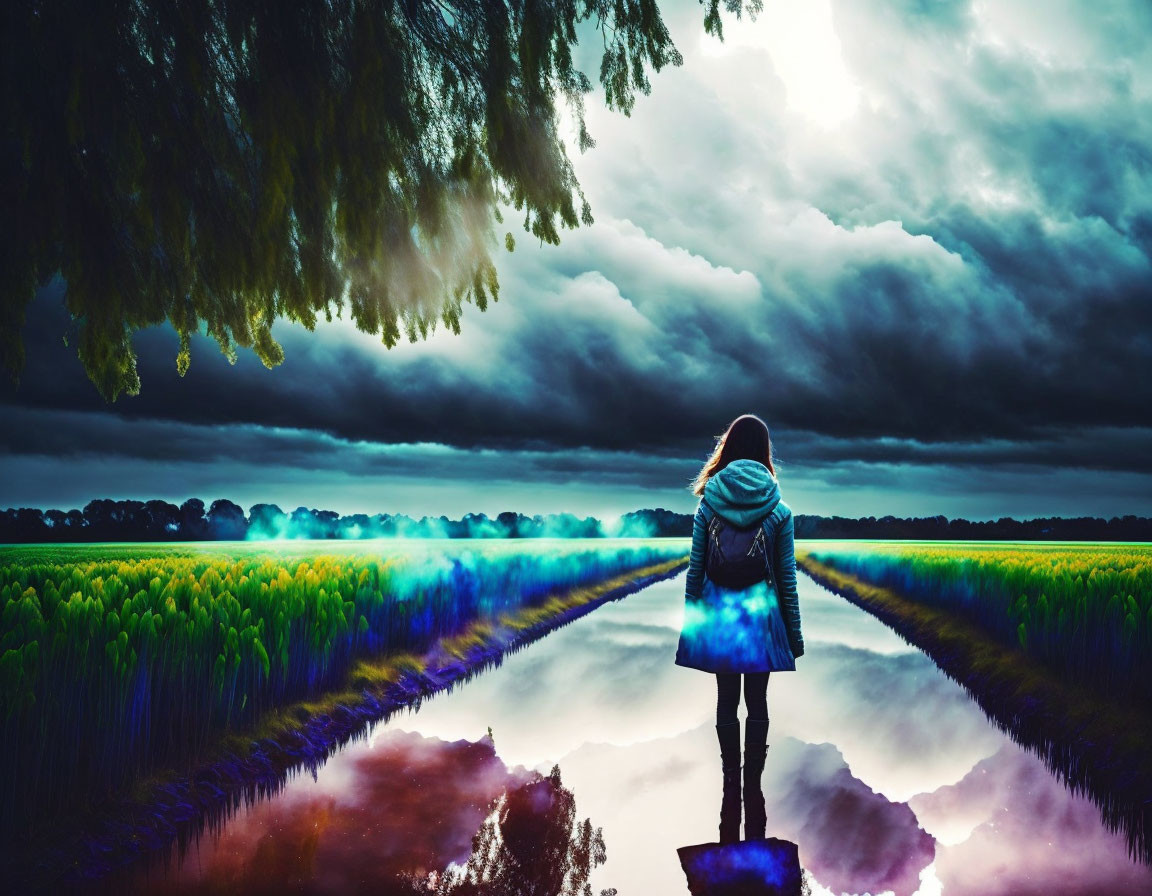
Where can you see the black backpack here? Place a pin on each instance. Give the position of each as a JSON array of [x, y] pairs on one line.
[[736, 557]]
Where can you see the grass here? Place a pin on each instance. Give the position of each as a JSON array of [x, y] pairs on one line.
[[1082, 610], [147, 654], [177, 803]]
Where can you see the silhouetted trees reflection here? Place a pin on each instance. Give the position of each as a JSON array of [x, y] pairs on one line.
[[530, 846]]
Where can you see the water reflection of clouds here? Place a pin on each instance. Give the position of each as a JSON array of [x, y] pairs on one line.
[[645, 818], [408, 806], [828, 619], [634, 634], [655, 773], [609, 676], [864, 724], [902, 725], [1008, 828], [852, 839]]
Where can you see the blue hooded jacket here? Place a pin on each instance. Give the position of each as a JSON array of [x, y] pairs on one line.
[[745, 492]]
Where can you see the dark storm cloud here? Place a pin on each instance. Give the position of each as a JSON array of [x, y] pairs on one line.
[[548, 387], [53, 433], [960, 276]]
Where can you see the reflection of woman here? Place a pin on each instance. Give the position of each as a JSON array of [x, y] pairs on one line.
[[738, 628]]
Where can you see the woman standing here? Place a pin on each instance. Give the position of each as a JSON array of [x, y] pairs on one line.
[[741, 615]]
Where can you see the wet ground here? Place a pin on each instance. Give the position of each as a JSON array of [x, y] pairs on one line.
[[882, 771]]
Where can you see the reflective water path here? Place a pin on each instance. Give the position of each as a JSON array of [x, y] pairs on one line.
[[882, 771]]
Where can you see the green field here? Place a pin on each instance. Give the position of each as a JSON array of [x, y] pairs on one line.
[[1084, 610], [117, 657]]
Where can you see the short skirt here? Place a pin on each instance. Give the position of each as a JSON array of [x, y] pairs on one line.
[[735, 630]]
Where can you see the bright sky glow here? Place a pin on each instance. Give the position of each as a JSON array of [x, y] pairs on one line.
[[800, 40]]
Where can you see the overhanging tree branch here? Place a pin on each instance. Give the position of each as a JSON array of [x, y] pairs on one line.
[[219, 164]]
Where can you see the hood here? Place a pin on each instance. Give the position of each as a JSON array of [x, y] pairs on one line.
[[744, 492]]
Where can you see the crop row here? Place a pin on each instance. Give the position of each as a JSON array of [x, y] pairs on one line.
[[112, 663], [1085, 611]]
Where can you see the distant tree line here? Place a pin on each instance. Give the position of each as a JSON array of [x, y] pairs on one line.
[[223, 520], [940, 528]]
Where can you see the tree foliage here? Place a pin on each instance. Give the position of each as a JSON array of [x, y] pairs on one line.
[[219, 164]]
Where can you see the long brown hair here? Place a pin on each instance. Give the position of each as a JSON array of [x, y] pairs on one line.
[[746, 438]]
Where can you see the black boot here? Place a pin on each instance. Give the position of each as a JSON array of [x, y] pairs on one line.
[[728, 733], [755, 752]]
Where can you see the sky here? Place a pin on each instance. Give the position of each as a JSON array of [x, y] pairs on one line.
[[914, 237]]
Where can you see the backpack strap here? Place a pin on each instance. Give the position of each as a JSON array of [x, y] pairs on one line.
[[771, 526]]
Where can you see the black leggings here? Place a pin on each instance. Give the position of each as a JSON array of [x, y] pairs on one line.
[[728, 695]]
